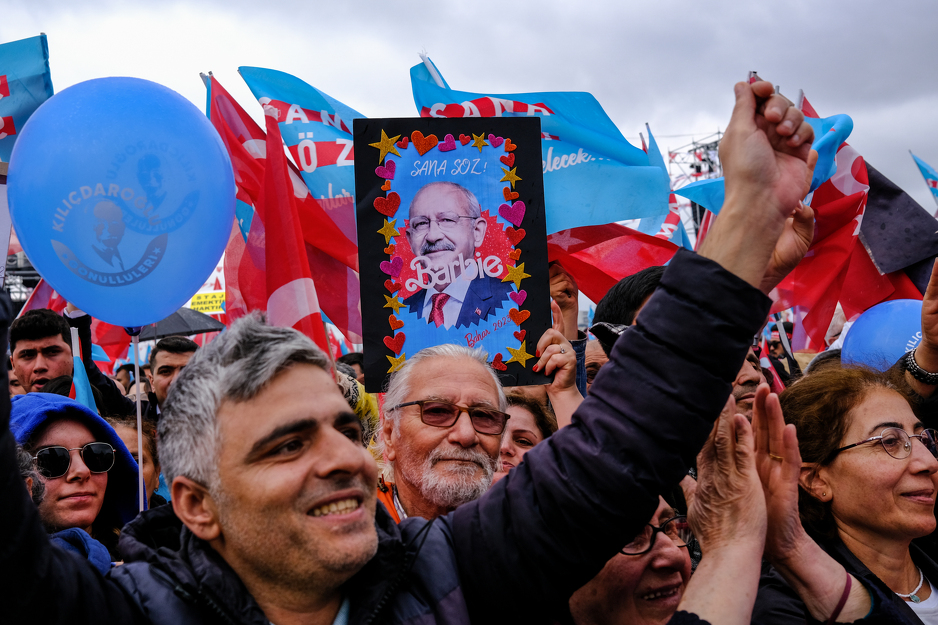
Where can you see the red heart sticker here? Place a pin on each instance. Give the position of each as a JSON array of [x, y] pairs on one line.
[[508, 159], [464, 139], [402, 144], [514, 255], [392, 286], [520, 334], [509, 194], [395, 344], [514, 236], [388, 205], [496, 363], [509, 146], [397, 324], [518, 316], [422, 143]]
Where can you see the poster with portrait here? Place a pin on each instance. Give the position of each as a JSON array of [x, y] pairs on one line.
[[452, 241]]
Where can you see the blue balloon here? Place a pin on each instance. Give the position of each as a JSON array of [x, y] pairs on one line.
[[122, 195], [883, 334]]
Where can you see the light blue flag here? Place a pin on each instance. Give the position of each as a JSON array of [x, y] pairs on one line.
[[829, 134], [25, 83], [317, 129], [930, 175], [592, 175], [81, 387]]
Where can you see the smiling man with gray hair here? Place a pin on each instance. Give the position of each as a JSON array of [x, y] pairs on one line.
[[444, 416]]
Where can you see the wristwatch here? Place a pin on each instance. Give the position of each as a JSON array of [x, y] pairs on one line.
[[917, 372]]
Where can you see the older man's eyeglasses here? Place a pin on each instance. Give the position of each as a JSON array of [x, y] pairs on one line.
[[677, 529], [442, 414], [898, 442], [446, 221]]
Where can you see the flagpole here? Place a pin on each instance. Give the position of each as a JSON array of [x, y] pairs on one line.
[[435, 75]]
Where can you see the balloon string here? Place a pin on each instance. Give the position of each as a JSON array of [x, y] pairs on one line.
[[135, 340]]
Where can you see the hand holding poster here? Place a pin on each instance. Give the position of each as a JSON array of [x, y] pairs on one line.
[[452, 241]]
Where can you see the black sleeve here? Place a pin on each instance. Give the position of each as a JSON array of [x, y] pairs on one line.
[[115, 403], [686, 618], [777, 603], [551, 525], [38, 582]]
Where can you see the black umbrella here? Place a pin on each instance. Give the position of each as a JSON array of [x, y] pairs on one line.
[[183, 322]]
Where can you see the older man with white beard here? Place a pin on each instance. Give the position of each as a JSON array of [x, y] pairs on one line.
[[444, 417]]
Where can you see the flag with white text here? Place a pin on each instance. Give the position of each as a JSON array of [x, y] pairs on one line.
[[592, 175]]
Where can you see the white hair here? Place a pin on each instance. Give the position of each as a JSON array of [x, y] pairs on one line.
[[472, 203], [236, 366]]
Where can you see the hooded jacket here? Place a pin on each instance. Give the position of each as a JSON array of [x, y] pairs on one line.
[[30, 414], [513, 556]]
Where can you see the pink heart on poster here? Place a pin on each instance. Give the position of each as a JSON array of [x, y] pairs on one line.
[[513, 213], [386, 171], [394, 267], [495, 141], [449, 144], [519, 297]]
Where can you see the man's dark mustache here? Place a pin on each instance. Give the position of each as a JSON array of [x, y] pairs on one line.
[[440, 246], [744, 389]]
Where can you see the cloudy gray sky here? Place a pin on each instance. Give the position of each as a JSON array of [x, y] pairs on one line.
[[669, 63]]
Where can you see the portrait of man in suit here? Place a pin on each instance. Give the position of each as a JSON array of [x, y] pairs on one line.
[[445, 227]]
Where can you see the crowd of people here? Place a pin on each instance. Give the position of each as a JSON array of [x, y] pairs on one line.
[[656, 479]]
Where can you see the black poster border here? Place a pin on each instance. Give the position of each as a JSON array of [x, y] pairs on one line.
[[522, 138]]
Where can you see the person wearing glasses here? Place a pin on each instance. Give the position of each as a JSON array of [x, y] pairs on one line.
[[89, 476], [644, 583], [444, 229], [867, 491]]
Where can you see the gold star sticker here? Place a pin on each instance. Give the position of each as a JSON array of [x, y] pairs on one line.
[[510, 176], [393, 302], [386, 145], [519, 355], [515, 274], [388, 230], [396, 363], [478, 141]]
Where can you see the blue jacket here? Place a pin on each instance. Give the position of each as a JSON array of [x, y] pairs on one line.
[[514, 556], [30, 412]]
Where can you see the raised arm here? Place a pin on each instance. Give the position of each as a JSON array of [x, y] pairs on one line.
[[577, 498]]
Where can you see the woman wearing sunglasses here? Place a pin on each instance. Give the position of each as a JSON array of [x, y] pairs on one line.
[[90, 478], [867, 491]]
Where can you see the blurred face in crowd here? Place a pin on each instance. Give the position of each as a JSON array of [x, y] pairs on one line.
[[296, 495], [123, 376], [521, 435], [151, 472], [35, 362], [637, 590], [747, 381], [439, 468], [440, 227], [874, 496], [15, 387], [75, 499], [166, 367], [595, 359]]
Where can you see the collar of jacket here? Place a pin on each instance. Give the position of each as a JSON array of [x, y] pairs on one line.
[[201, 576]]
